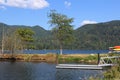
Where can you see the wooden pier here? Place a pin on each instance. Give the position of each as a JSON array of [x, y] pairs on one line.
[[104, 62], [78, 66]]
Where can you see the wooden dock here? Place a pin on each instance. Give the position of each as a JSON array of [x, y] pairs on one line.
[[103, 63], [78, 66]]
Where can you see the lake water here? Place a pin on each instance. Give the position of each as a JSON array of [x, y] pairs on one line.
[[66, 51], [42, 71]]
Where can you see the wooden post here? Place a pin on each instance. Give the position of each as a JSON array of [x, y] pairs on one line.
[[98, 58], [56, 58]]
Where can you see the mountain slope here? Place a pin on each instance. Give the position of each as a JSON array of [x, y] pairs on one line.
[[98, 36]]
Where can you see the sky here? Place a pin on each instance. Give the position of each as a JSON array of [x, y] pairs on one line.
[[34, 12]]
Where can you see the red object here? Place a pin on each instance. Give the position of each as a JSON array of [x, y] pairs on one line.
[[116, 47]]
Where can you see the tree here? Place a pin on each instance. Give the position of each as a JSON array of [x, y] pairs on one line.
[[62, 28], [9, 39], [24, 37]]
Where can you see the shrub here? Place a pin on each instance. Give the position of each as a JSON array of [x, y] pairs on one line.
[[113, 73]]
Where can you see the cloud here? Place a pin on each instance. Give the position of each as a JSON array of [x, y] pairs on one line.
[[88, 22], [2, 7], [30, 4], [67, 4]]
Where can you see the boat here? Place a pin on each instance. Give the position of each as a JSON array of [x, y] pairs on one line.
[[114, 49]]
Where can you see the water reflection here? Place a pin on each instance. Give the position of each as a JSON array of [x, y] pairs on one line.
[[26, 71], [77, 74], [42, 71]]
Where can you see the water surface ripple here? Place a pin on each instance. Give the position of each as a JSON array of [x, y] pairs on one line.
[[42, 71]]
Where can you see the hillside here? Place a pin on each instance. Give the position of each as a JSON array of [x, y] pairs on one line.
[[98, 36], [90, 36]]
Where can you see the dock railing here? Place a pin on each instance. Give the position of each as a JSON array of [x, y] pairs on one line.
[[109, 60]]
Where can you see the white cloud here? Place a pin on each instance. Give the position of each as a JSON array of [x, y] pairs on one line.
[[88, 22], [31, 4], [67, 4]]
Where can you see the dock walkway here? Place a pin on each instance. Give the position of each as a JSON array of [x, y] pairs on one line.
[[78, 66], [104, 62]]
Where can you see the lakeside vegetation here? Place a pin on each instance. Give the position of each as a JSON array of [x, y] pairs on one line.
[[52, 57], [79, 58]]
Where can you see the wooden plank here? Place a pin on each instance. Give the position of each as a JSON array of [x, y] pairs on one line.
[[76, 66]]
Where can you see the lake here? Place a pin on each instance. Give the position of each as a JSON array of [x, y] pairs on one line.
[[66, 51], [42, 71]]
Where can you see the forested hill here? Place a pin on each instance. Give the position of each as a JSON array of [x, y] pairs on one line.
[[90, 36], [98, 36], [39, 31]]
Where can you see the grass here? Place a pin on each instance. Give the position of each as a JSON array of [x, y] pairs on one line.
[[113, 73], [50, 57], [79, 58]]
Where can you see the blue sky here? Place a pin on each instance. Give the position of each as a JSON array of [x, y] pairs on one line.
[[34, 12]]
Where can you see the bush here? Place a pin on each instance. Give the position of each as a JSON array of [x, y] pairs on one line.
[[113, 73]]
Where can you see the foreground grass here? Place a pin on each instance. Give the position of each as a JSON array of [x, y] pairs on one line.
[[113, 73]]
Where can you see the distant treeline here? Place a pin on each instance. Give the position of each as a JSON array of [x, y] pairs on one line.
[[90, 36]]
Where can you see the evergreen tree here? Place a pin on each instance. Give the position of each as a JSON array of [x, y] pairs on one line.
[[62, 28]]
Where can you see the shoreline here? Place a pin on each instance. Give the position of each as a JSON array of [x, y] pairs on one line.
[[50, 58], [28, 57]]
